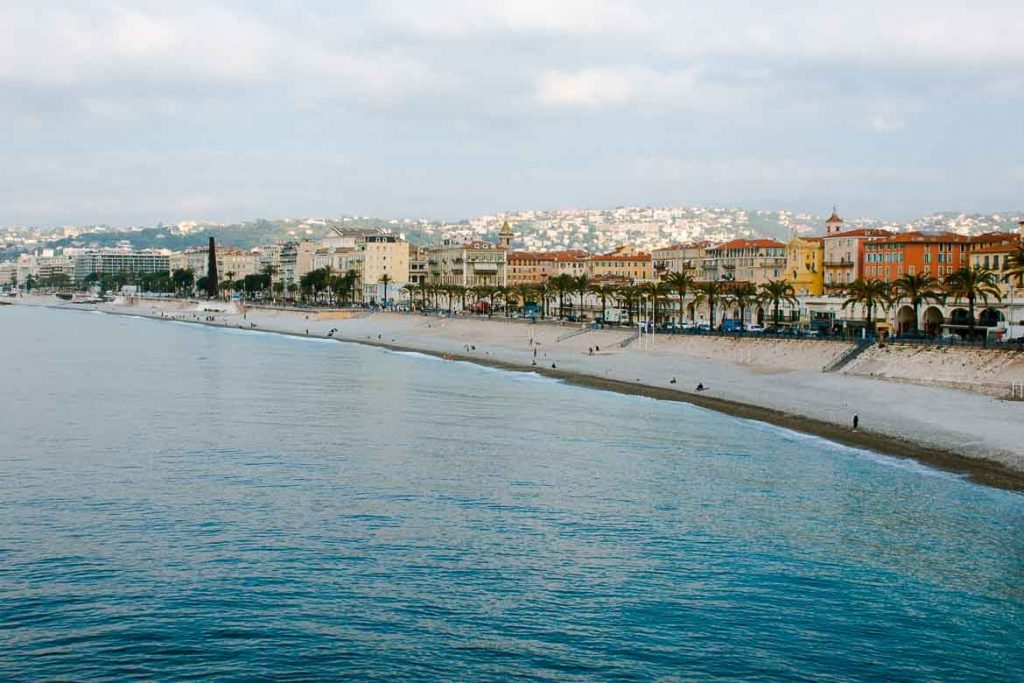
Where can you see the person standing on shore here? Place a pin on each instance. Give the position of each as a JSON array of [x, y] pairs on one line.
[[856, 421]]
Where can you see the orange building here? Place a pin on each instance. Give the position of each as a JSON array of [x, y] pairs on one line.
[[534, 268], [915, 253]]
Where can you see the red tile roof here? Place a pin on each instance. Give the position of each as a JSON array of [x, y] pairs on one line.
[[917, 237], [861, 232], [750, 244]]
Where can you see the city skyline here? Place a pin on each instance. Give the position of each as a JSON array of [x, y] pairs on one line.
[[137, 113]]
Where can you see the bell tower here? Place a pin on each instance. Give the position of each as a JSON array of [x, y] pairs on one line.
[[834, 223], [505, 236]]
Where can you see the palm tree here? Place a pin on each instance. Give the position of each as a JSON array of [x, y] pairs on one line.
[[710, 293], [1014, 264], [655, 290], [385, 280], [680, 283], [269, 271], [562, 285], [743, 295], [581, 285], [629, 294], [917, 289], [870, 294], [778, 292], [543, 291], [603, 292], [973, 284], [520, 293]]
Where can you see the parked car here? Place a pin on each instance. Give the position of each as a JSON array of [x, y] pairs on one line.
[[754, 328]]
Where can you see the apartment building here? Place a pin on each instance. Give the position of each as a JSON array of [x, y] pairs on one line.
[[623, 264], [113, 261], [238, 262], [469, 264], [914, 253], [680, 258], [743, 260]]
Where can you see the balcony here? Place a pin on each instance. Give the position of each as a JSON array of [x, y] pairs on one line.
[[839, 264]]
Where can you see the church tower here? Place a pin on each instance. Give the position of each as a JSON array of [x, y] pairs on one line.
[[834, 223], [505, 236]]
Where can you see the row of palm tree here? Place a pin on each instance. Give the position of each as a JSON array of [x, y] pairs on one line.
[[970, 284]]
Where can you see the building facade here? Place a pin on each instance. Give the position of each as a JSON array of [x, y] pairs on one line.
[[743, 260], [238, 262], [804, 269], [468, 264], [114, 261], [938, 254], [624, 264]]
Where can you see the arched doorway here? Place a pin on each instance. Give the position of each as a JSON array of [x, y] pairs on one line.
[[760, 316], [905, 320], [932, 321], [990, 317], [690, 311]]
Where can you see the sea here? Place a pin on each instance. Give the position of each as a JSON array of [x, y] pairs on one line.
[[183, 502]]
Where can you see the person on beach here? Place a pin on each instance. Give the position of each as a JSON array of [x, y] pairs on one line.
[[701, 387], [553, 367], [672, 381], [856, 421]]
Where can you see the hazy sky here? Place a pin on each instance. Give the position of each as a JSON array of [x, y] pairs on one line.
[[118, 112]]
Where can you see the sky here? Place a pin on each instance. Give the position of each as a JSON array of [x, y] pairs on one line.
[[138, 112]]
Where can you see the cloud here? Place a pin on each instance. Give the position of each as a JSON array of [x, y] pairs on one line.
[[642, 87]]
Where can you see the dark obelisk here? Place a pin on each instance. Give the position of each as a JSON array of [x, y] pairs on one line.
[[211, 272]]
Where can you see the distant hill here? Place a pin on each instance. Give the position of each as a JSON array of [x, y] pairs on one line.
[[595, 230]]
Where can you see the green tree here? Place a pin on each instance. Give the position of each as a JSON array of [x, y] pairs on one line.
[[917, 289], [604, 292], [385, 280], [656, 291], [778, 292], [1014, 264], [184, 280], [710, 293], [581, 285], [973, 284], [743, 295], [681, 284], [561, 285], [629, 295], [871, 294]]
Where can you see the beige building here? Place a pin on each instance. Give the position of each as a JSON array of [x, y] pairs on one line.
[[384, 255], [296, 259], [680, 258], [741, 260], [623, 264], [469, 264], [238, 262]]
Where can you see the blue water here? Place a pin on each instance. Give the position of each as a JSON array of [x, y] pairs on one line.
[[183, 502]]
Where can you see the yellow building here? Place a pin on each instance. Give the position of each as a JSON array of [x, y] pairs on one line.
[[805, 258], [625, 263]]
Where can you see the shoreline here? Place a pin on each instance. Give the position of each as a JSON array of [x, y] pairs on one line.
[[976, 469]]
